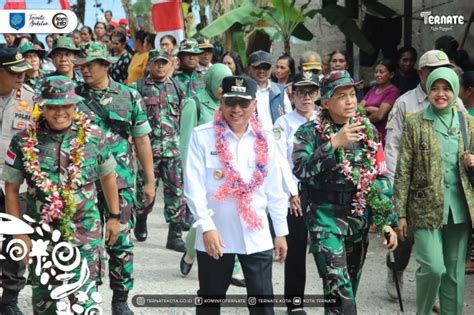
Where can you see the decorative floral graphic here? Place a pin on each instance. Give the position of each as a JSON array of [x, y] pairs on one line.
[[55, 261]]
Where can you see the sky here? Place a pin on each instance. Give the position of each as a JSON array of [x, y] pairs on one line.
[[91, 12]]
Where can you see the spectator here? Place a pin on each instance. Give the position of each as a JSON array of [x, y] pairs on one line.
[[49, 42], [136, 69], [9, 38], [310, 61], [118, 70], [337, 61], [233, 61], [107, 40], [77, 38], [86, 35], [168, 42], [450, 46], [108, 16], [406, 77], [284, 70], [33, 57], [379, 100], [100, 29]]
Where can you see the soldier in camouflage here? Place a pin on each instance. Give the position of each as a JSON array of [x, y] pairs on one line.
[[118, 110], [33, 57], [62, 54], [188, 73], [58, 133], [327, 151], [163, 97]]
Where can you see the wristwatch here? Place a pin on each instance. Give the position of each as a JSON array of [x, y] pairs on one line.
[[114, 216]]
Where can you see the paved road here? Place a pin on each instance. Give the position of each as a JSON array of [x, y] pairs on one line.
[[157, 272]]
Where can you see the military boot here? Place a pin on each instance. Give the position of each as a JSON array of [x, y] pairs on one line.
[[174, 238], [119, 303], [140, 230], [9, 304]]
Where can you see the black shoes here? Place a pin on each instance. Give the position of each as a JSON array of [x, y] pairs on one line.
[[140, 230], [174, 241], [184, 266]]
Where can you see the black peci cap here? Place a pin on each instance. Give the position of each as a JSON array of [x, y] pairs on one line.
[[239, 86]]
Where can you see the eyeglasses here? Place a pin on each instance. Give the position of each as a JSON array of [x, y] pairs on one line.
[[243, 103], [303, 93], [265, 67]]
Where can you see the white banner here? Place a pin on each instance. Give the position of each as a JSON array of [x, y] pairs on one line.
[[37, 21]]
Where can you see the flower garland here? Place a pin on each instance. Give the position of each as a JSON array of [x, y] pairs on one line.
[[60, 198], [234, 185], [364, 177]]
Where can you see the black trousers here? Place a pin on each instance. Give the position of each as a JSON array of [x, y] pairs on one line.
[[295, 263], [215, 275], [12, 272]]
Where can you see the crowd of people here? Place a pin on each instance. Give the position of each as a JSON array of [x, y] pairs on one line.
[[259, 162]]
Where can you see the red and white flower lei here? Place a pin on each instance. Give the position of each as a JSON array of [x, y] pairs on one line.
[[363, 178], [234, 185], [61, 202]]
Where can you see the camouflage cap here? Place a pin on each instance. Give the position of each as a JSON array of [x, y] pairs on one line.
[[58, 90], [334, 80], [94, 51], [156, 54], [190, 46], [28, 47], [63, 42]]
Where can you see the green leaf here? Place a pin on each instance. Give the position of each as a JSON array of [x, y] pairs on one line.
[[337, 15], [251, 14], [238, 45], [289, 13], [376, 7], [141, 7], [302, 32]]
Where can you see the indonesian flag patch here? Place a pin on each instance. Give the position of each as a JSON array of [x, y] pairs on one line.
[[380, 163], [10, 158]]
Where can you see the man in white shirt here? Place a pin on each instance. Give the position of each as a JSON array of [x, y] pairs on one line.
[[232, 178], [305, 89], [272, 100]]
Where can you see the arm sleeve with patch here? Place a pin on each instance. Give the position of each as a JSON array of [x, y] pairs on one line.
[[140, 125], [13, 171]]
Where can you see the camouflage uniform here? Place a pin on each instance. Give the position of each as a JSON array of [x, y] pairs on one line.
[[163, 108], [123, 107], [338, 238], [86, 226], [192, 80], [33, 82], [65, 43]]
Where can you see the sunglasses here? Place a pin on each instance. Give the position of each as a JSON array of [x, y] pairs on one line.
[[243, 103], [262, 67], [303, 93]]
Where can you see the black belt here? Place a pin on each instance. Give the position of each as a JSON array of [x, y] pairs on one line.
[[333, 197]]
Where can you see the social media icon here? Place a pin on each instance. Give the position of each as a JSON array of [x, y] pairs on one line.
[[296, 300], [198, 300], [252, 300], [140, 300]]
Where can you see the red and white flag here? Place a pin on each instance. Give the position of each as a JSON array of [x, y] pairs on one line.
[[14, 5], [166, 18], [65, 5]]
